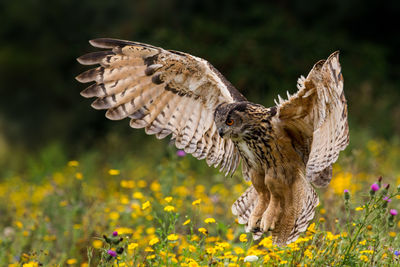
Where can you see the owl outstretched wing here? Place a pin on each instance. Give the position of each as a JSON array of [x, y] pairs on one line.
[[166, 92], [315, 118]]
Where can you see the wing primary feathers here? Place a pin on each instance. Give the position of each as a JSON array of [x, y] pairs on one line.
[[94, 57]]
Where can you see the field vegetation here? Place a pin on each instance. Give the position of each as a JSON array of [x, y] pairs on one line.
[[171, 210]]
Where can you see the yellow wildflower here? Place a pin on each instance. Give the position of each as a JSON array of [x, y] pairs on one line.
[[209, 220], [322, 211], [392, 234], [238, 250], [192, 248], [203, 231], [114, 215], [359, 208], [308, 254], [363, 242], [364, 258], [331, 236], [243, 238], [19, 224], [229, 234], [124, 200], [79, 176], [186, 222], [150, 257], [196, 202], [127, 184], [63, 203], [124, 230], [132, 246], [148, 249], [71, 261], [97, 243], [137, 195], [150, 230], [73, 163], [210, 250], [172, 237], [366, 252], [154, 241], [168, 199], [145, 205], [155, 186], [113, 172], [267, 242], [193, 264], [169, 208], [195, 237], [311, 229], [266, 258], [141, 183], [30, 264]]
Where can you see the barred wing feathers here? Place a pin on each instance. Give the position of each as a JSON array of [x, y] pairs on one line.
[[165, 92], [316, 119]]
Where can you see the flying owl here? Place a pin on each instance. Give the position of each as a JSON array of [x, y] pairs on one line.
[[284, 149]]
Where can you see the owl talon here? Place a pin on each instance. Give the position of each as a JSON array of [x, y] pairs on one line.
[[270, 217]]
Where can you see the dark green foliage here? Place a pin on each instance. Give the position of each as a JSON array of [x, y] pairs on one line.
[[261, 47]]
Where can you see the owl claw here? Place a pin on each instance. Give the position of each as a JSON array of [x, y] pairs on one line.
[[270, 217]]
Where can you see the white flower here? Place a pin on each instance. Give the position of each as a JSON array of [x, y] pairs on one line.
[[250, 258]]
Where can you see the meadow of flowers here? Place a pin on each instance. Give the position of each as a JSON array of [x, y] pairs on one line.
[[167, 212]]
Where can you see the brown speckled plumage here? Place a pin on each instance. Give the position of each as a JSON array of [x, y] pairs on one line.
[[284, 149]]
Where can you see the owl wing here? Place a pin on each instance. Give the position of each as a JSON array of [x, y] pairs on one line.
[[315, 118], [166, 92]]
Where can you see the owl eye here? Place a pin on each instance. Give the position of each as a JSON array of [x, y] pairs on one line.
[[229, 122]]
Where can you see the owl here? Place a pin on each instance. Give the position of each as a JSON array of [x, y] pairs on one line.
[[285, 150]]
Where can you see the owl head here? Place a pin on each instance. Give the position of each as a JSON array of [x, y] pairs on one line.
[[232, 119]]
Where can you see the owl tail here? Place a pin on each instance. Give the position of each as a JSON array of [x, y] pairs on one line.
[[308, 201]]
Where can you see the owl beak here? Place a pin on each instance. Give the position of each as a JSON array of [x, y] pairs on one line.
[[221, 133]]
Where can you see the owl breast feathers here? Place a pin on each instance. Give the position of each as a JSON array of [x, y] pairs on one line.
[[284, 149]]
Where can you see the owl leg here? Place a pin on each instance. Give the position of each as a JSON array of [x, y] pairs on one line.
[[273, 213], [259, 209], [263, 198]]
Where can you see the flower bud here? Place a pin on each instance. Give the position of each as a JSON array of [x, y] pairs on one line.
[[380, 181], [120, 250], [346, 194]]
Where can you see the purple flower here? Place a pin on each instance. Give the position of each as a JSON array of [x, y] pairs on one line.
[[387, 199], [374, 187], [112, 253], [115, 233], [180, 153], [397, 253], [393, 212], [346, 191]]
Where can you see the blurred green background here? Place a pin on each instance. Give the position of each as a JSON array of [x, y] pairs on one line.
[[262, 47]]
